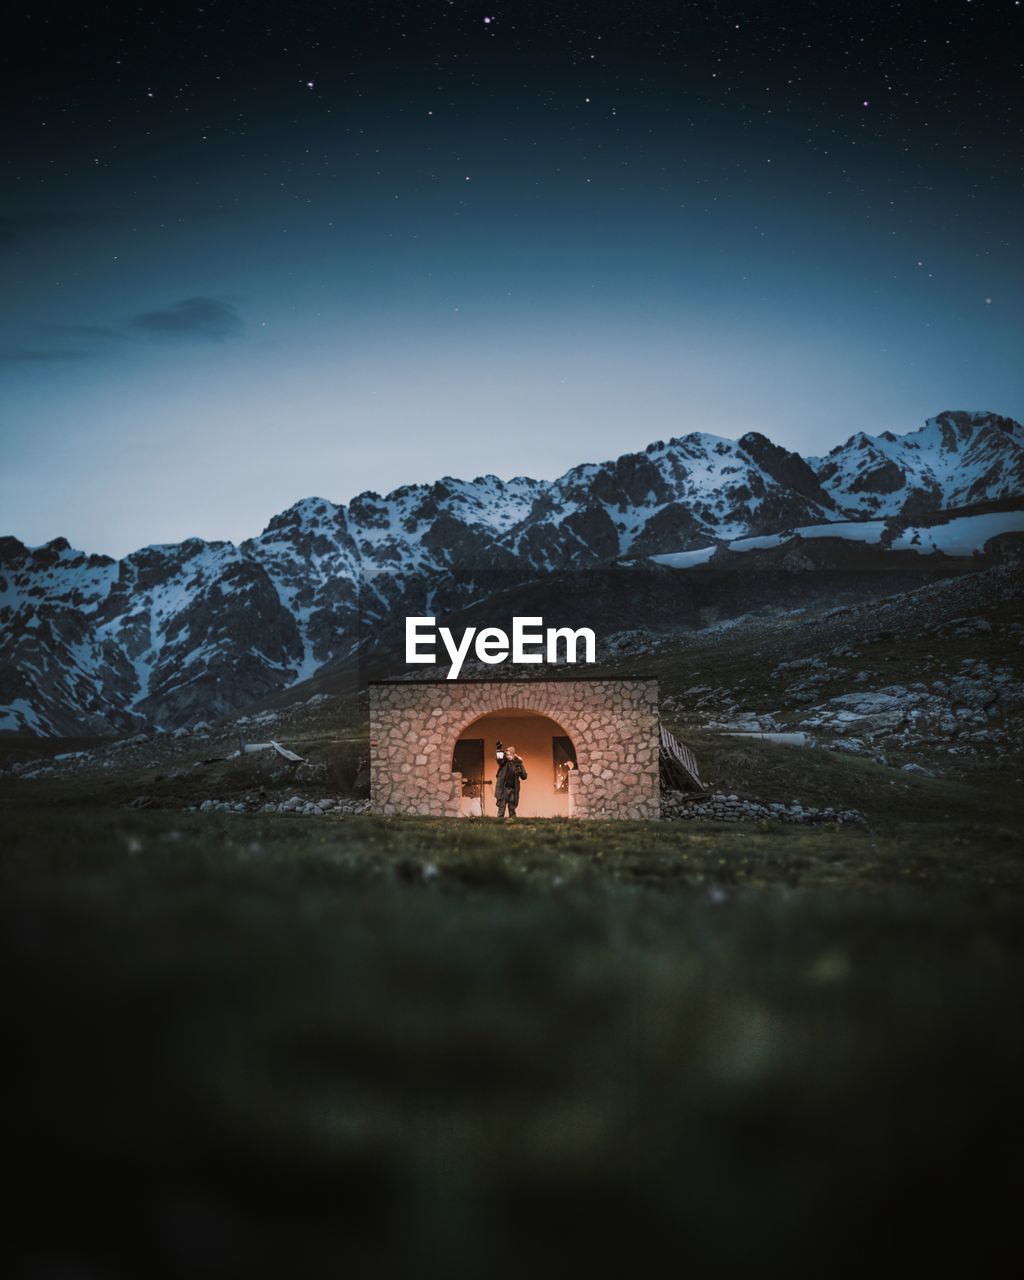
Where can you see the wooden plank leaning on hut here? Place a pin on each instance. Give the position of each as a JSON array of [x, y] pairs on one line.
[[679, 769]]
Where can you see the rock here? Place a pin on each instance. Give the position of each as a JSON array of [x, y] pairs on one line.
[[721, 808]]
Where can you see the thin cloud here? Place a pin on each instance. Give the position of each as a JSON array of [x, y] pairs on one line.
[[200, 319], [208, 319]]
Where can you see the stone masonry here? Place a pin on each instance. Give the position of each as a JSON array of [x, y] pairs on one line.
[[613, 725]]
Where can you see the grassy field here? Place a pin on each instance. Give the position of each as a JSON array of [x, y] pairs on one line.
[[259, 1044], [263, 1045]]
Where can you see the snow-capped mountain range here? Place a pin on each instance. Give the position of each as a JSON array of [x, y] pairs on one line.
[[174, 634]]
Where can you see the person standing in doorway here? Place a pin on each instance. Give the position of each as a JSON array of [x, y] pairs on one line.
[[506, 785]]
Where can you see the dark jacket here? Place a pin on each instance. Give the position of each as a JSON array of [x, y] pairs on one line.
[[506, 784]]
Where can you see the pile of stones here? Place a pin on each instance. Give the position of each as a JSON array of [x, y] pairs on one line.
[[295, 804], [719, 807]]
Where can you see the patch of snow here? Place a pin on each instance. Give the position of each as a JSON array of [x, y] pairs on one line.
[[962, 536], [758, 544], [851, 530], [685, 559], [19, 716]]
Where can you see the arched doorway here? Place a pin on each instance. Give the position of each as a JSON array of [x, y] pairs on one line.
[[547, 751]]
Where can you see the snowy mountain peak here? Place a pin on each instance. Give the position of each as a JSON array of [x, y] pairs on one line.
[[955, 459], [308, 512]]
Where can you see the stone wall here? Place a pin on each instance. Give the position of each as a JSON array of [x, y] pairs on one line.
[[613, 725]]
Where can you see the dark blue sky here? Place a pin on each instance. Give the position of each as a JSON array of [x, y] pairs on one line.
[[255, 252]]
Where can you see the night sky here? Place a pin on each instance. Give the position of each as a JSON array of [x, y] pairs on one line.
[[252, 252]]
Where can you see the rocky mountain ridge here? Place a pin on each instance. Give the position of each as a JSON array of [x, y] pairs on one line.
[[178, 633]]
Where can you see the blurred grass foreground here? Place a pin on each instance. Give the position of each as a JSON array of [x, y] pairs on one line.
[[385, 1047]]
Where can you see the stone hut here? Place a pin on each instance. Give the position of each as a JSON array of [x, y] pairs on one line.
[[590, 746]]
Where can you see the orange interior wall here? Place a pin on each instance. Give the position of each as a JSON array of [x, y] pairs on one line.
[[531, 736]]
